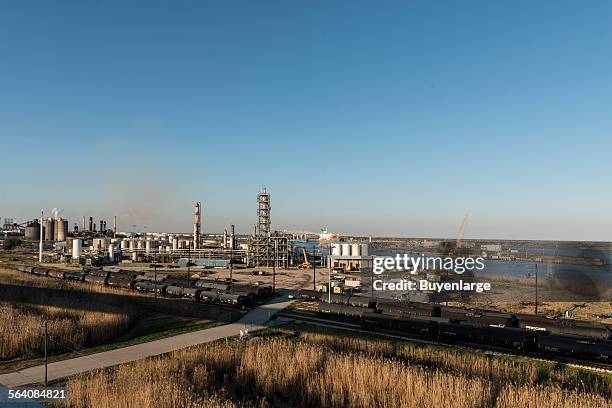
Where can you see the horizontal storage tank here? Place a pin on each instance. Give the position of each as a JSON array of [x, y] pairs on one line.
[[336, 249], [345, 250], [77, 248], [364, 250], [355, 249]]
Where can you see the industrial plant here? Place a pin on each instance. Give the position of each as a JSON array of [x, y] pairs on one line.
[[93, 243]]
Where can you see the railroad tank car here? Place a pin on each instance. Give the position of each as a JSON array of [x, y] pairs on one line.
[[310, 294], [564, 326], [403, 308], [152, 287], [77, 276], [362, 301], [335, 298], [191, 293], [257, 292], [495, 319], [121, 282], [341, 310], [212, 285], [575, 346], [100, 273], [495, 336], [175, 291], [423, 327], [40, 271], [152, 276], [99, 280], [207, 295], [56, 273], [237, 300]]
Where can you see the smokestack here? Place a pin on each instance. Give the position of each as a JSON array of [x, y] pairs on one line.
[[94, 228], [224, 238], [197, 224], [91, 226], [83, 226], [232, 237], [115, 226], [101, 225]]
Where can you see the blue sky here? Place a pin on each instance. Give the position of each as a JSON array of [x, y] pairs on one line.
[[383, 118]]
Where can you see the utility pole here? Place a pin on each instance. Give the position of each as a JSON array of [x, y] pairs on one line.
[[372, 274], [188, 259], [329, 285], [45, 353], [155, 272], [536, 290], [274, 267], [314, 265], [40, 245]]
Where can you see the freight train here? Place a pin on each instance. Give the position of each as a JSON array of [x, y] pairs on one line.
[[199, 290], [525, 333]]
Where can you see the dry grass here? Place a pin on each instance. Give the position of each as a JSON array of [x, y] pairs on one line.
[[21, 328], [304, 373]]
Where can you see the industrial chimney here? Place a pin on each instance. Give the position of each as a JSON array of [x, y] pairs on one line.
[[197, 224]]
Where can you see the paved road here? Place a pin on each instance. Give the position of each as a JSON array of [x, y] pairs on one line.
[[254, 320]]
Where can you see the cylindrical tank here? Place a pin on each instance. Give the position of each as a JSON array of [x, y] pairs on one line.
[[336, 249], [111, 252], [61, 229], [77, 248], [148, 246], [175, 242], [132, 244], [124, 244], [355, 249], [49, 229], [364, 249], [345, 250], [139, 244], [134, 256], [32, 231]]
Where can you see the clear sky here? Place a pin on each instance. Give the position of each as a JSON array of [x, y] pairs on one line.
[[383, 118]]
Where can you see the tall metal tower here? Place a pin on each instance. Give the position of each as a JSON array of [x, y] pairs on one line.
[[263, 213]]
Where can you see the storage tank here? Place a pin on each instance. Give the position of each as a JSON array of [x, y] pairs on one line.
[[61, 229], [124, 244], [77, 248], [355, 249], [49, 229], [336, 249], [175, 243], [132, 244], [364, 249], [148, 246], [345, 250], [32, 231], [111, 252]]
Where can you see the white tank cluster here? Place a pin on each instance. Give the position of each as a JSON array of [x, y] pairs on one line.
[[349, 249]]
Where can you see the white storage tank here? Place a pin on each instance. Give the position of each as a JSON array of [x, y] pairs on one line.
[[345, 250], [148, 246], [124, 244], [175, 242], [111, 252], [364, 250], [355, 249], [77, 248], [336, 249]]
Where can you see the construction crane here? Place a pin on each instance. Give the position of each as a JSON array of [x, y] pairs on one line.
[[305, 264]]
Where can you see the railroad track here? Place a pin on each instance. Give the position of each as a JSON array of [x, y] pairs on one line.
[[315, 319]]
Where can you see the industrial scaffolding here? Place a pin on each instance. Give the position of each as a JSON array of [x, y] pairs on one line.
[[265, 248]]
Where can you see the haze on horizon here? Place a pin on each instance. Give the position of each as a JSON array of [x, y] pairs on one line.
[[369, 120]]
